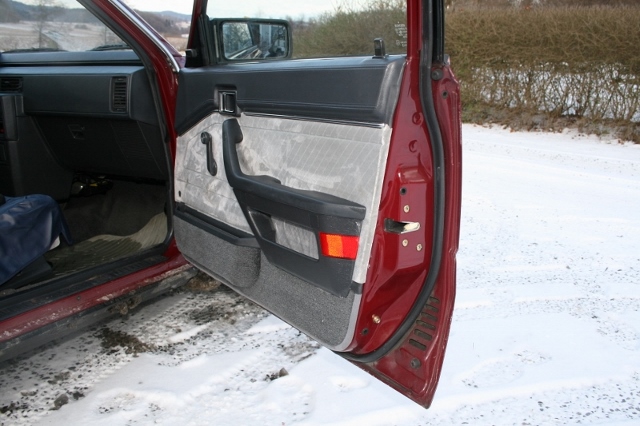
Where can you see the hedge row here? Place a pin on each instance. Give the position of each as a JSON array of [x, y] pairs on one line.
[[563, 62], [576, 36]]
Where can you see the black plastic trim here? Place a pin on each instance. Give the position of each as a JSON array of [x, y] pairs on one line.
[[200, 112], [357, 288], [87, 58], [361, 88], [82, 91], [215, 227]]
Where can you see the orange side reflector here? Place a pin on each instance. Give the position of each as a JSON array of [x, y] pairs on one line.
[[341, 246]]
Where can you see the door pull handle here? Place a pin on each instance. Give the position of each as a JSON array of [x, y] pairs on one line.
[[212, 166]]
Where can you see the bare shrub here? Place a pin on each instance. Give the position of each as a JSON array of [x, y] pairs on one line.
[[350, 30]]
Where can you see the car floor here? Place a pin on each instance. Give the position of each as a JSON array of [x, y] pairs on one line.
[[105, 227], [123, 210]]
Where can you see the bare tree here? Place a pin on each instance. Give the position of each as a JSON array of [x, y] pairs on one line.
[[44, 12]]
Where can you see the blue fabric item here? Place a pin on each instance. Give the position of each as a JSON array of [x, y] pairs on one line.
[[28, 227]]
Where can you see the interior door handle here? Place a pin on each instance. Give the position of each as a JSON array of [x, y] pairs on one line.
[[212, 166], [228, 102]]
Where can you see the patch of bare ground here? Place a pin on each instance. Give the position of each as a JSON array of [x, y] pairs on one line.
[[202, 283], [113, 339]]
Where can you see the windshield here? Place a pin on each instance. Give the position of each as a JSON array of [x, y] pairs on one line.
[[51, 25], [65, 25]]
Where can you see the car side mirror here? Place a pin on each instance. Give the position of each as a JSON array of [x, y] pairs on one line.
[[252, 39]]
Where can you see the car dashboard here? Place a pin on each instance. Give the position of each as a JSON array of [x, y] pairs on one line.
[[64, 113]]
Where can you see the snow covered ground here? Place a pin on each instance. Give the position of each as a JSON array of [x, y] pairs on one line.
[[546, 328]]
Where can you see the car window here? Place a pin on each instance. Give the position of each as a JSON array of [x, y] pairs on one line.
[[328, 28]]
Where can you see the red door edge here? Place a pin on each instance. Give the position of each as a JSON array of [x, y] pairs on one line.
[[413, 367], [411, 359]]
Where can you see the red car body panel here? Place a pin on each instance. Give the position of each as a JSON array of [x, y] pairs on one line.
[[416, 364], [88, 299]]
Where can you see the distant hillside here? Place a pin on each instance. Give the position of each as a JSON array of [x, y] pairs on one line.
[[7, 12], [174, 15], [164, 24]]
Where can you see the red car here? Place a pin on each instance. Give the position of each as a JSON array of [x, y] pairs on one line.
[[326, 189]]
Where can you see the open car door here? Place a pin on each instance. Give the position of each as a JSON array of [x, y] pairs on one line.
[[327, 190]]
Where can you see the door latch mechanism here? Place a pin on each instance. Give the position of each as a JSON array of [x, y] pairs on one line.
[[396, 227]]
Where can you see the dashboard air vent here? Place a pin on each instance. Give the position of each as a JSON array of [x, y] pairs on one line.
[[119, 94], [11, 84]]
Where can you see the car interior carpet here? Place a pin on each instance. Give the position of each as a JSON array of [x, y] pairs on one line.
[[106, 248], [122, 210]]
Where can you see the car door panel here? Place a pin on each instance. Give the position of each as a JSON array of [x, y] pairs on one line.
[[278, 163], [327, 318]]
